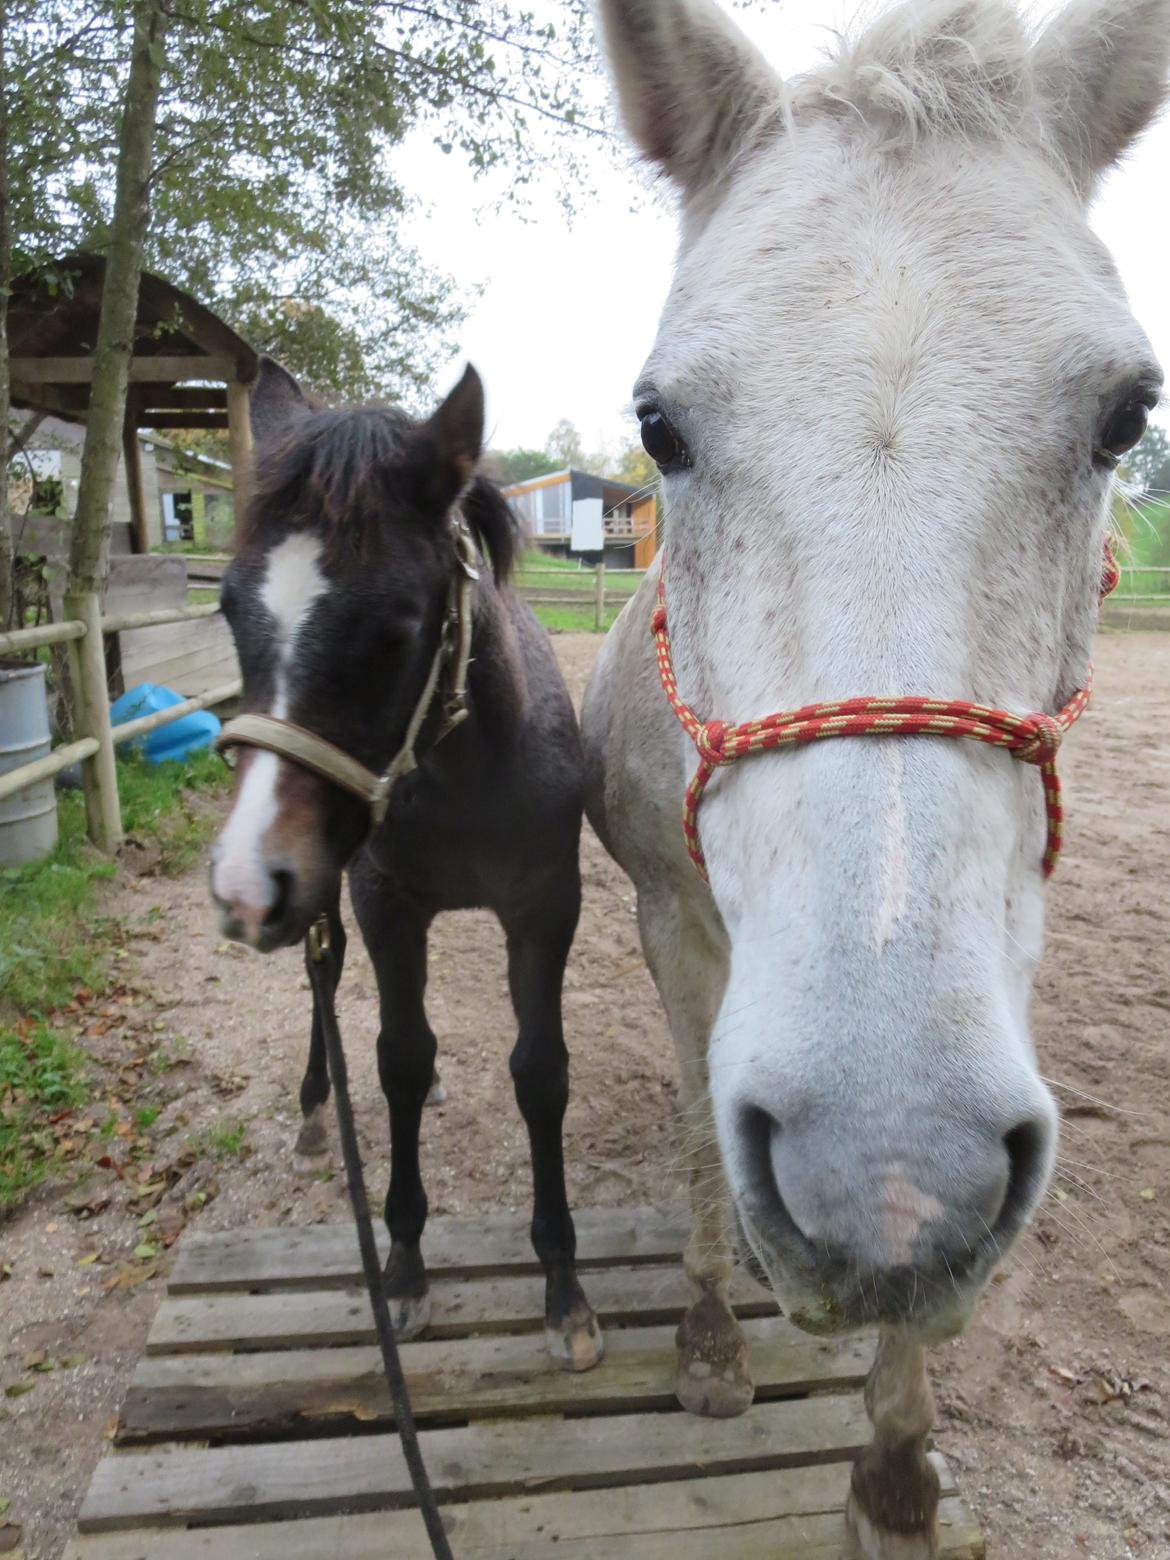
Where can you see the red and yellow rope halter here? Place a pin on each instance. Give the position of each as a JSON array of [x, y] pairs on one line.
[[1033, 739]]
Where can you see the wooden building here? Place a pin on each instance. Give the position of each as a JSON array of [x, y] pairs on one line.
[[576, 514]]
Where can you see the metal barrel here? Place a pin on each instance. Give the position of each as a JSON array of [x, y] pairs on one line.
[[28, 820]]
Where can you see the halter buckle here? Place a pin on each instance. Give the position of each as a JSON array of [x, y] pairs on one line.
[[319, 940]]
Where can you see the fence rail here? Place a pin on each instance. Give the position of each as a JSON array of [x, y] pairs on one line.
[[85, 630]]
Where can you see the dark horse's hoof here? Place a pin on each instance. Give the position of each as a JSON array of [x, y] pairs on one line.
[[409, 1314], [311, 1152], [576, 1342]]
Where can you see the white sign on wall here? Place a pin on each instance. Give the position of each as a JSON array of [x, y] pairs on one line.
[[588, 533]]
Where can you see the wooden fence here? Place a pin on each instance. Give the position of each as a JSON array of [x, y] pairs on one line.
[[84, 630], [205, 570]]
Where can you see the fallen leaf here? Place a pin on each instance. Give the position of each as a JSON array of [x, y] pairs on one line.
[[4, 1504], [130, 1277], [31, 1361], [71, 1362], [5, 1272], [19, 1388], [1062, 1374], [85, 1261], [52, 1227], [145, 1250], [10, 1535], [1146, 1194]]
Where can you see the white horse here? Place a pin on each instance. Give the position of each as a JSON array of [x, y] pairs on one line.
[[891, 381]]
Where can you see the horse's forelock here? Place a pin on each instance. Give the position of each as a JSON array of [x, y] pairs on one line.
[[957, 66]]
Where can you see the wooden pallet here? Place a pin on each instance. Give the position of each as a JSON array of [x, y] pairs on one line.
[[257, 1426]]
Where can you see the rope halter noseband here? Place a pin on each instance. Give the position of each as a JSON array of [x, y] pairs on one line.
[[309, 751], [1033, 739]]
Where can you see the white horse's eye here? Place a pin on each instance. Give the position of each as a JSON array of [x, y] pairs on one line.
[[661, 443], [1123, 430]]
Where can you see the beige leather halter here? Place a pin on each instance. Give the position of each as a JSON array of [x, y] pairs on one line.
[[309, 751]]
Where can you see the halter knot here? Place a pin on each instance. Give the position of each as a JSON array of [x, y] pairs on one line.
[[711, 741], [1043, 742], [658, 618]]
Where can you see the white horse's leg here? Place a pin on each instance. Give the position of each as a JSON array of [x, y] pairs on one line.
[[893, 1503], [690, 969]]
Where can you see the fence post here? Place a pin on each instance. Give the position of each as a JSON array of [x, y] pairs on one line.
[[599, 597], [91, 714]]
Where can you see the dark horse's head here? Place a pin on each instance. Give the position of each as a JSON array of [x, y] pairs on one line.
[[336, 598]]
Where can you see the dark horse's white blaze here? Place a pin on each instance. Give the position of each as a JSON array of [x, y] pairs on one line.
[[891, 379]]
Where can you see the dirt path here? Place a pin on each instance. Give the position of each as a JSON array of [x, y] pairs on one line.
[[1055, 1408]]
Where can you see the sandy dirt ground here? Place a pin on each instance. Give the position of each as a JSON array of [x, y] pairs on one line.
[[1055, 1407]]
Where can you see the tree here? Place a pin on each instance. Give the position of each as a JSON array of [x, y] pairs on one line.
[[115, 336], [563, 445], [274, 195], [1148, 463], [508, 466]]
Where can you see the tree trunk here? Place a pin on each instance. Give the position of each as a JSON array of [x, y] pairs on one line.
[[115, 340], [7, 551]]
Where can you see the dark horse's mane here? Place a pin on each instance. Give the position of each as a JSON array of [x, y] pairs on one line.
[[342, 472]]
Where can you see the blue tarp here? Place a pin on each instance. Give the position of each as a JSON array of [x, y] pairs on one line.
[[182, 736]]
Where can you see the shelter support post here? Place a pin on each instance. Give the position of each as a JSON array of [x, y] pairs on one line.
[[240, 443]]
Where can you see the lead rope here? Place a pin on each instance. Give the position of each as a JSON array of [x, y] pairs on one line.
[[323, 977]]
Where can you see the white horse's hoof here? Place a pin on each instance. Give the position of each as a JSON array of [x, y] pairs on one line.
[[869, 1542]]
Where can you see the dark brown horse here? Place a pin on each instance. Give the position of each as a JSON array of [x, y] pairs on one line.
[[357, 579]]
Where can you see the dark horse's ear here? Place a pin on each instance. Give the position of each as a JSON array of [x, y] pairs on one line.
[[451, 441], [276, 402]]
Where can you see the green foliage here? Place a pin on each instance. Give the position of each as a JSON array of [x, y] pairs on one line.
[[275, 197], [1148, 464], [48, 944], [225, 1140], [52, 943], [41, 1072], [158, 802], [508, 466]]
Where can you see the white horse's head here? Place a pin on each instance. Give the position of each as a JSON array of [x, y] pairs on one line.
[[892, 378]]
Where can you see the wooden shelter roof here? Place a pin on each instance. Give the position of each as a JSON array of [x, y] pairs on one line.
[[53, 332]]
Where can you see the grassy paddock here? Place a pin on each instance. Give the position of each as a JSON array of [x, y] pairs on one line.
[[54, 944]]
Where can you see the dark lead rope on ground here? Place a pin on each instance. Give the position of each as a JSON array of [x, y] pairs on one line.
[[322, 975]]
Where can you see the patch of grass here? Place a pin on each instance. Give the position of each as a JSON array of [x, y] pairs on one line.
[[41, 1072], [146, 1116], [157, 802], [224, 1141], [53, 943], [572, 620], [49, 944]]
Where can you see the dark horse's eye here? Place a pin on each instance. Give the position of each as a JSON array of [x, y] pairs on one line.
[[661, 443], [1123, 430]]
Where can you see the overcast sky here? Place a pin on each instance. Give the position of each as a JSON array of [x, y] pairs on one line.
[[567, 311]]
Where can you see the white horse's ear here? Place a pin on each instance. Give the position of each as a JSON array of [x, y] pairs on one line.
[[690, 86], [1101, 66]]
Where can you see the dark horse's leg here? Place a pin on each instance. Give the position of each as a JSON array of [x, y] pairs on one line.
[[312, 1146], [539, 939], [395, 933]]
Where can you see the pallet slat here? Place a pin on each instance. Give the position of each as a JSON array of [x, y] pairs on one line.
[[784, 1515], [263, 1347], [209, 1395], [241, 1322], [325, 1256], [501, 1457]]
